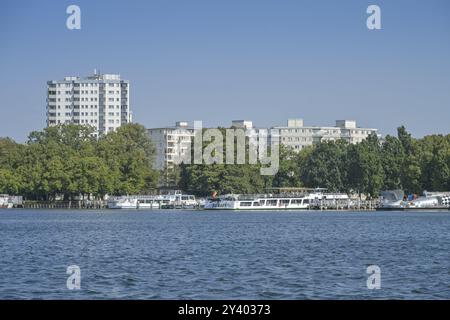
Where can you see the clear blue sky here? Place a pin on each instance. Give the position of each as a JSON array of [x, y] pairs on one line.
[[219, 60]]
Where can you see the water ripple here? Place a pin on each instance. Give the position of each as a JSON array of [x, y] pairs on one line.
[[223, 255]]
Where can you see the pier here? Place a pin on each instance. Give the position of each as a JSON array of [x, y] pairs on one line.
[[92, 205], [320, 205]]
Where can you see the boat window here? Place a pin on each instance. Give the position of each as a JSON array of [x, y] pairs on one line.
[[262, 202], [272, 202], [284, 201], [256, 204], [306, 201], [246, 204]]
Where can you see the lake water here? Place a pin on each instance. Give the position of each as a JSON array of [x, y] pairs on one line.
[[223, 255]]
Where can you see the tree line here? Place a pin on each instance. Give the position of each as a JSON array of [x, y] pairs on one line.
[[68, 161], [396, 162]]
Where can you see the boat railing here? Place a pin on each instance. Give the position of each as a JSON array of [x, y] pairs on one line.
[[270, 196], [288, 195]]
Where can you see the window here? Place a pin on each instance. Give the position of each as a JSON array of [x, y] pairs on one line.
[[245, 204]]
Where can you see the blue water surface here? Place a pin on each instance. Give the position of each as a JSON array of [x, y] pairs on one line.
[[175, 254]]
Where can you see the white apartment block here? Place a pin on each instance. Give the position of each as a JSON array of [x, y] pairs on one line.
[[297, 136], [171, 143], [174, 143], [101, 101]]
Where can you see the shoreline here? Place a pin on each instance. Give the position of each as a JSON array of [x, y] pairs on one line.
[[231, 210]]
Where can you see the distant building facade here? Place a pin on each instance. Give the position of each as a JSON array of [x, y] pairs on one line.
[[298, 136], [101, 101], [243, 124], [171, 143], [174, 143]]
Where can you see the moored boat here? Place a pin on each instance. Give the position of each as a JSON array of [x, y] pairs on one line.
[[171, 200], [122, 203], [301, 201], [5, 201], [396, 200]]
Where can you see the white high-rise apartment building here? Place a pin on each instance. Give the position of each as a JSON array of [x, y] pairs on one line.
[[297, 136], [101, 101]]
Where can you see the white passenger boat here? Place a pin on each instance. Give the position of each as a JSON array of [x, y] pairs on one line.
[[272, 202], [174, 199], [122, 203], [5, 201]]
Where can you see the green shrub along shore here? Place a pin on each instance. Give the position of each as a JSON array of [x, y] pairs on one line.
[[67, 160]]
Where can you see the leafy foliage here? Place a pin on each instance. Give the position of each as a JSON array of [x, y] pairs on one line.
[[400, 162], [67, 160]]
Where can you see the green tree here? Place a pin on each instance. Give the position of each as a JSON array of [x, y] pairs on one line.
[[392, 158], [129, 154], [326, 166], [365, 173], [288, 174], [434, 162], [10, 158], [411, 168], [202, 179]]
